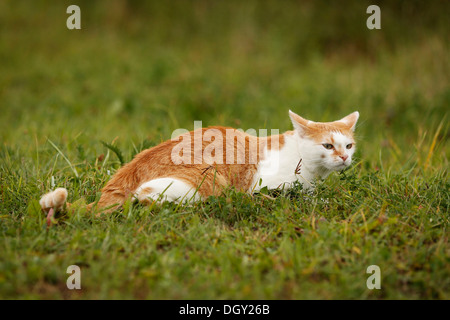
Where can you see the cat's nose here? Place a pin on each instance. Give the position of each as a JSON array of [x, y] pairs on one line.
[[344, 157]]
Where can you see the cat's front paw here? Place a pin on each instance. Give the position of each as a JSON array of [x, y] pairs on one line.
[[54, 199]]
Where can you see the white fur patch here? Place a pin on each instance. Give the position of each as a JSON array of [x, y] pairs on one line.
[[340, 140], [277, 169], [166, 189]]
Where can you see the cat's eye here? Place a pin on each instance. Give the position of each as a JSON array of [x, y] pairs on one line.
[[349, 146], [328, 146]]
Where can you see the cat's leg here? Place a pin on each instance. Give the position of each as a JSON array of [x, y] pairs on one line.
[[56, 200], [166, 189], [112, 198]]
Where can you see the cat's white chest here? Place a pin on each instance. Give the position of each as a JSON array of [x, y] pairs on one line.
[[279, 168]]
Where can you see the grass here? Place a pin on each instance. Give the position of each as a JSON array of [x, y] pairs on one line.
[[76, 104]]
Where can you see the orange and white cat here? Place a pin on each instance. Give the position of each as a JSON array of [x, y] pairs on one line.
[[234, 158]]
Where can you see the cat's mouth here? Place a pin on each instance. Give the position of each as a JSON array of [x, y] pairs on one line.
[[342, 165], [337, 166]]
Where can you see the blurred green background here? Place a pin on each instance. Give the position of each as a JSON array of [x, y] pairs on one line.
[[137, 71]]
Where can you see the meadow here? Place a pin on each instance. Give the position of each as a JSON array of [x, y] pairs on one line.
[[76, 104]]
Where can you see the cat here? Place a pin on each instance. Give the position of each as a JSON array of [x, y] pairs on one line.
[[199, 167]]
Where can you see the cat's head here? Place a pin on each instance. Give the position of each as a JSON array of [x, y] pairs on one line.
[[327, 145]]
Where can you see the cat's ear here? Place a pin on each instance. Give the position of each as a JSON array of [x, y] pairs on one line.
[[300, 124], [351, 120]]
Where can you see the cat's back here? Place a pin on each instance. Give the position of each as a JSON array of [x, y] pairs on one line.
[[231, 154]]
